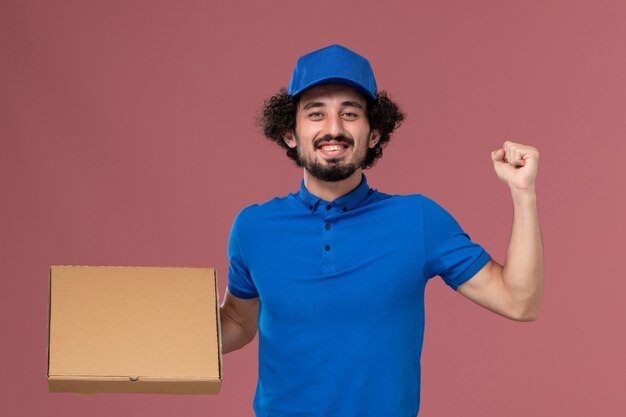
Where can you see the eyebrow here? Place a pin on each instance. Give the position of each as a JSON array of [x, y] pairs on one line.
[[315, 104]]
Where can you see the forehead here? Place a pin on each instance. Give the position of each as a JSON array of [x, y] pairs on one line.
[[332, 92]]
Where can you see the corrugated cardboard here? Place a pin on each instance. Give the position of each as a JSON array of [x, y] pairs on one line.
[[134, 329]]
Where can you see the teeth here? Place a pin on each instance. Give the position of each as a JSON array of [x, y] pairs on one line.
[[332, 147]]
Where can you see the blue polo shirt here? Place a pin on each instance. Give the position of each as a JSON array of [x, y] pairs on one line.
[[341, 291]]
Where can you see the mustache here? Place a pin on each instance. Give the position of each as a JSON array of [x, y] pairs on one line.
[[328, 138]]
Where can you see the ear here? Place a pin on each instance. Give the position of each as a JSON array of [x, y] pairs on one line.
[[289, 139], [374, 138]]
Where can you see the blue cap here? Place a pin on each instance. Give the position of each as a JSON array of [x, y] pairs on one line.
[[333, 64]]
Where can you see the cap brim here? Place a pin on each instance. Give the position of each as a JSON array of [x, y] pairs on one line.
[[335, 80]]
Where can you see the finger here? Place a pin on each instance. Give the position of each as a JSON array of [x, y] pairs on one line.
[[510, 143], [509, 146], [517, 157], [513, 153], [510, 156], [507, 151]]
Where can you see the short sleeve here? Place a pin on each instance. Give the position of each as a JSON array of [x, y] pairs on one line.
[[449, 251], [240, 282]]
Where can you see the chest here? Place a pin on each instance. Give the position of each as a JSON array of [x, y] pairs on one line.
[[340, 262]]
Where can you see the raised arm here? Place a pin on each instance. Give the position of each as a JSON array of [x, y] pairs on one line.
[[238, 318], [514, 290]]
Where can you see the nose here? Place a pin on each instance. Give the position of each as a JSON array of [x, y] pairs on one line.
[[334, 126]]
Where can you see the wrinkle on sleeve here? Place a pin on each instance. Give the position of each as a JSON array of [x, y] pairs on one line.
[[450, 252], [240, 282]]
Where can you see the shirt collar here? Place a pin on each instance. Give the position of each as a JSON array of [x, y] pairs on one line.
[[346, 202]]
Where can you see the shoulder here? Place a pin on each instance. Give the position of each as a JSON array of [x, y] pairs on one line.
[[420, 206], [397, 207], [421, 202], [260, 211], [412, 201]]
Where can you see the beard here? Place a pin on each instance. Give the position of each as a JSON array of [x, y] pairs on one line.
[[332, 170]]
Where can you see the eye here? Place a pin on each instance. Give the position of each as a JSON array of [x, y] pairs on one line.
[[350, 115], [315, 115]]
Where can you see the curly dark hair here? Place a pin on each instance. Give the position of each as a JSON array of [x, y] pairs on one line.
[[278, 116]]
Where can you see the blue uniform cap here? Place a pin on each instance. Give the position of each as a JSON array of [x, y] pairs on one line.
[[333, 64]]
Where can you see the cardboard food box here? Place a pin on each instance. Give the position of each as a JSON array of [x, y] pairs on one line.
[[134, 329]]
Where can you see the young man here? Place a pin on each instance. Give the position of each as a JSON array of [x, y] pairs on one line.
[[333, 276]]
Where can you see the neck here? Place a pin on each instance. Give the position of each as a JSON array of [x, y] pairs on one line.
[[331, 190]]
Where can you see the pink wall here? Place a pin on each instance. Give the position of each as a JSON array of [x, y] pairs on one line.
[[127, 138]]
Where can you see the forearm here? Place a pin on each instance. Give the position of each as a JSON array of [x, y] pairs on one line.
[[523, 268], [234, 335], [238, 319], [515, 289]]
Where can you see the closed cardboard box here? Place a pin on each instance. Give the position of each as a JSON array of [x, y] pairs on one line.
[[134, 329]]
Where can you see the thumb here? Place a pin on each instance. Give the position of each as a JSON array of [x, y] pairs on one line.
[[497, 155]]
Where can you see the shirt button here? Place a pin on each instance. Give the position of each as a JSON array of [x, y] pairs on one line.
[[327, 247], [344, 209], [327, 226], [328, 207]]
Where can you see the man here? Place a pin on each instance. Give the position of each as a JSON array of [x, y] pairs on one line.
[[334, 275]]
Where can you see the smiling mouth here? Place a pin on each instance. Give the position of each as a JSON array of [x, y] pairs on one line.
[[332, 152], [333, 147], [329, 140]]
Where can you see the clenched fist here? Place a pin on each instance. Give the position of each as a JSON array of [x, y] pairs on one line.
[[516, 165]]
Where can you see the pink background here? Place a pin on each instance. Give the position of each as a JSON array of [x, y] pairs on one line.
[[127, 138]]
